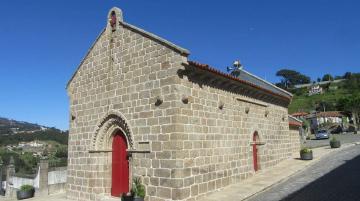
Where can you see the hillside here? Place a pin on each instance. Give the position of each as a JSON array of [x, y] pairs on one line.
[[10, 126], [13, 132], [328, 100]]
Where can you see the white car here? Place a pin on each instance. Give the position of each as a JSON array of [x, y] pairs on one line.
[[322, 134]]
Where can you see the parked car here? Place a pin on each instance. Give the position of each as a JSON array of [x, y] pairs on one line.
[[336, 130], [322, 134]]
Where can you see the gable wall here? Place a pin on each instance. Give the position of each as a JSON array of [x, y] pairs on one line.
[[125, 76]]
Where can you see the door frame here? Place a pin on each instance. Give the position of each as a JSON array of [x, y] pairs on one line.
[[121, 132], [255, 147]]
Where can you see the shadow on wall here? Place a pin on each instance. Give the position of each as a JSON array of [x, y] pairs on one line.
[[342, 183]]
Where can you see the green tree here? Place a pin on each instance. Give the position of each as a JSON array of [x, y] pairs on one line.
[[61, 152], [30, 162], [291, 78], [347, 75], [353, 82], [327, 77], [324, 106], [351, 104]]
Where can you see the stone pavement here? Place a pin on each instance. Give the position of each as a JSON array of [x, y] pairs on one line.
[[338, 173], [54, 197], [263, 180]]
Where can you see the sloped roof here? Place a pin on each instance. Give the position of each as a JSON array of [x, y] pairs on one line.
[[294, 121], [297, 114], [329, 114], [167, 43], [248, 79], [244, 77]]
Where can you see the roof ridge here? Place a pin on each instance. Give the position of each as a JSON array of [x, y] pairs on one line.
[[156, 37]]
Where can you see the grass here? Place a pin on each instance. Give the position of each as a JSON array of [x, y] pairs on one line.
[[305, 103]]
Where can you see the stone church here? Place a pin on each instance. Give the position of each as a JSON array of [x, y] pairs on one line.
[[140, 108]]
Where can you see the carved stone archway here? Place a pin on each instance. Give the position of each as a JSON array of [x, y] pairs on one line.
[[106, 128]]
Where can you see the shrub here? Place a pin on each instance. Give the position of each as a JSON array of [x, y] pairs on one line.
[[305, 150], [333, 139], [26, 188], [138, 188]]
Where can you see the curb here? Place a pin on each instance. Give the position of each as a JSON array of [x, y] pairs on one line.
[[346, 145]]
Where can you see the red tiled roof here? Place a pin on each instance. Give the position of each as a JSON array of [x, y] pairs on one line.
[[297, 114], [329, 114], [295, 123], [217, 72]]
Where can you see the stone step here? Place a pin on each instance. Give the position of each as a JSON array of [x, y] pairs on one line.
[[108, 198]]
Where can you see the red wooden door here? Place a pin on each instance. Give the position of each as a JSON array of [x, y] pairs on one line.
[[120, 166], [255, 154]]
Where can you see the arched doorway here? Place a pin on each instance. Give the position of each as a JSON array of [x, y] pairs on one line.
[[120, 166], [255, 151]]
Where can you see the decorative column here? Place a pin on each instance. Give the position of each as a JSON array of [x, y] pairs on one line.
[[10, 173], [43, 176]]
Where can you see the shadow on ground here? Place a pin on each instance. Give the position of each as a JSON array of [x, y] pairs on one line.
[[341, 184]]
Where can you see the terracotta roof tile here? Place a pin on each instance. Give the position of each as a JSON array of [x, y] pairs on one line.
[[217, 72], [297, 114], [294, 123], [329, 114]]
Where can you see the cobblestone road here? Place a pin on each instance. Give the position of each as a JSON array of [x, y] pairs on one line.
[[344, 138], [336, 177]]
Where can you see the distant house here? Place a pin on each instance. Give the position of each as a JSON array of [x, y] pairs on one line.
[[319, 118], [300, 115], [33, 146], [298, 86], [315, 89]]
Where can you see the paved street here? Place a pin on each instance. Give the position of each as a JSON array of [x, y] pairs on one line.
[[334, 177], [344, 138], [269, 177]]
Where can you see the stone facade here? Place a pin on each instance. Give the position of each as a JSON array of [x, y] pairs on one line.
[[295, 138], [296, 133], [189, 128]]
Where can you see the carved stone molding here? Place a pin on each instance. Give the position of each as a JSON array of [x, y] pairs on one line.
[[108, 126]]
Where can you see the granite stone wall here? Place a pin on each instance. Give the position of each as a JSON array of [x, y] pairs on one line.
[[215, 145], [123, 75], [295, 138], [130, 81]]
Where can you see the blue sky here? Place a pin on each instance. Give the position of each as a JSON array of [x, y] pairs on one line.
[[42, 42]]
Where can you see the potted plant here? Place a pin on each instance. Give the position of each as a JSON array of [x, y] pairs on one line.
[[2, 192], [139, 190], [335, 143], [127, 196], [306, 154], [26, 191]]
